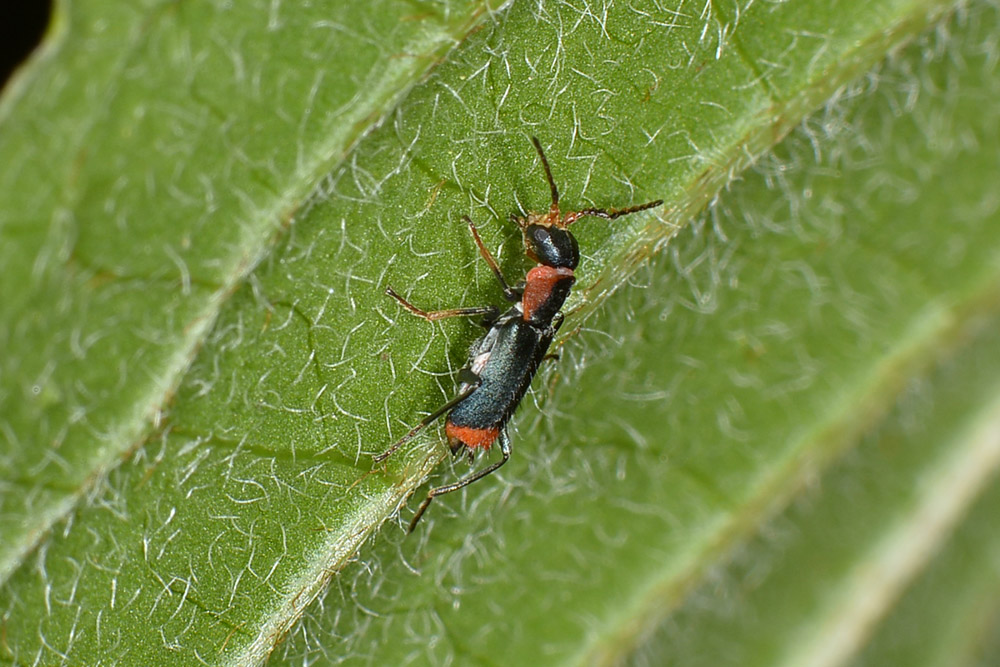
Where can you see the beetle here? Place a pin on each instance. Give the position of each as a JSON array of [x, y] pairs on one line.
[[503, 362]]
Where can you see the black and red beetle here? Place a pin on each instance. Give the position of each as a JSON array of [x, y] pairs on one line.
[[503, 362]]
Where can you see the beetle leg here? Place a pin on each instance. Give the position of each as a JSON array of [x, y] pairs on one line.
[[512, 294], [465, 481], [430, 316], [428, 420]]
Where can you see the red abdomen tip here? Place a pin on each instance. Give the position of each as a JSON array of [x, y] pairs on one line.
[[470, 436]]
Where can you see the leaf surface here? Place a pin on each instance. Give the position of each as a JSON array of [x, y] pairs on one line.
[[169, 298]]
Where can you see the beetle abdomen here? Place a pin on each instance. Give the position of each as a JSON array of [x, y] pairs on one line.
[[504, 380]]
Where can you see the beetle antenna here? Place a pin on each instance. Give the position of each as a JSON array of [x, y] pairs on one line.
[[607, 213], [548, 174]]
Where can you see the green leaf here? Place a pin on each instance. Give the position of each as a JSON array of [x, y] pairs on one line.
[[148, 224], [146, 175], [891, 555]]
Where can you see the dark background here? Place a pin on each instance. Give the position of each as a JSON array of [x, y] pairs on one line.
[[22, 25]]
